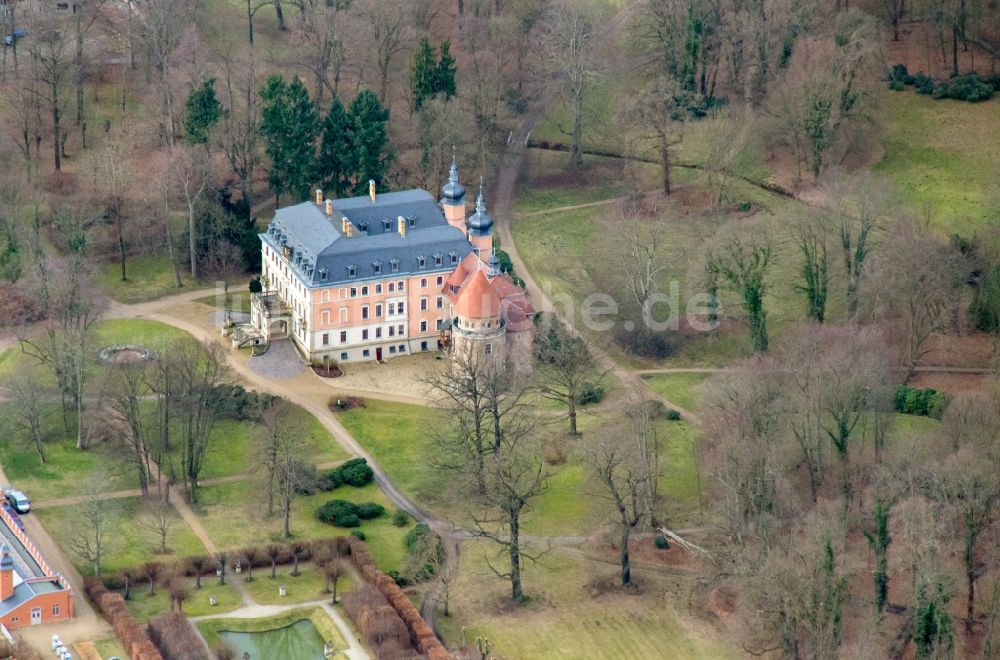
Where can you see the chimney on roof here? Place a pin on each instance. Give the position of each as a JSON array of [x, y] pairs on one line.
[[344, 224], [6, 573], [371, 189], [401, 224], [329, 207], [319, 196]]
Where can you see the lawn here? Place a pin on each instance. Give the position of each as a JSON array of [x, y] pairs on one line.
[[397, 438], [199, 603], [151, 334], [238, 301], [233, 516], [126, 542], [149, 277], [211, 628], [308, 586], [567, 255], [230, 449], [942, 157], [546, 183], [109, 647], [67, 470], [400, 439], [684, 389], [564, 619]]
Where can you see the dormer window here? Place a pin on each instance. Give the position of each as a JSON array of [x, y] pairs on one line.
[[377, 267], [363, 226], [454, 257], [394, 265], [421, 262], [387, 224], [438, 260], [352, 271], [322, 274], [411, 221]]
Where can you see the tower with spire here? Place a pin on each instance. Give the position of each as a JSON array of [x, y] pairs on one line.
[[480, 226], [453, 196]]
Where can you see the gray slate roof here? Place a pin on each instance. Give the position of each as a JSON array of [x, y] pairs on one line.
[[318, 245]]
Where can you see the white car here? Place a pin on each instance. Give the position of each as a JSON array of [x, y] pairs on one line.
[[17, 499]]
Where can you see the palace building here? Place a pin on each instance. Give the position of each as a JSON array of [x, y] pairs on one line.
[[388, 274]]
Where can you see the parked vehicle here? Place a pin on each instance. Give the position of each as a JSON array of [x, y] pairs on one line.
[[18, 33], [17, 499]]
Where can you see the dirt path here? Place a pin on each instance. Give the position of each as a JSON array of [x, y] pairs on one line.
[[501, 212], [572, 207]]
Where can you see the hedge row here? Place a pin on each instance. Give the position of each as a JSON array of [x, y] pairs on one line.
[[421, 636], [176, 638], [133, 638]]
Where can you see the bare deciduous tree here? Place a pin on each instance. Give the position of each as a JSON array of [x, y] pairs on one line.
[[627, 470], [568, 38], [28, 395], [93, 517], [159, 517], [389, 29], [197, 369], [916, 283], [566, 367]]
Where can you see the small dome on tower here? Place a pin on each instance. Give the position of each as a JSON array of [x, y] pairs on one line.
[[453, 192], [493, 265], [480, 221]]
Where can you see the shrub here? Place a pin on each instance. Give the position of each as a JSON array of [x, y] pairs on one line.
[[341, 513], [414, 535], [400, 518], [661, 542], [593, 393], [899, 74], [359, 535], [643, 342], [985, 308], [969, 87], [920, 401], [238, 403], [896, 86], [923, 83], [673, 415], [398, 578], [556, 450], [370, 510], [354, 472]]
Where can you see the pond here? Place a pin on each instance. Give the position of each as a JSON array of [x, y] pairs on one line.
[[299, 641]]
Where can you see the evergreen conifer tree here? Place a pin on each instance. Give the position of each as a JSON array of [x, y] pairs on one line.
[[337, 160], [203, 112], [369, 139], [423, 74], [444, 78], [289, 125]]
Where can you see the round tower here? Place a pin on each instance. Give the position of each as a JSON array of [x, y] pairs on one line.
[[453, 197], [480, 226], [477, 329]]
